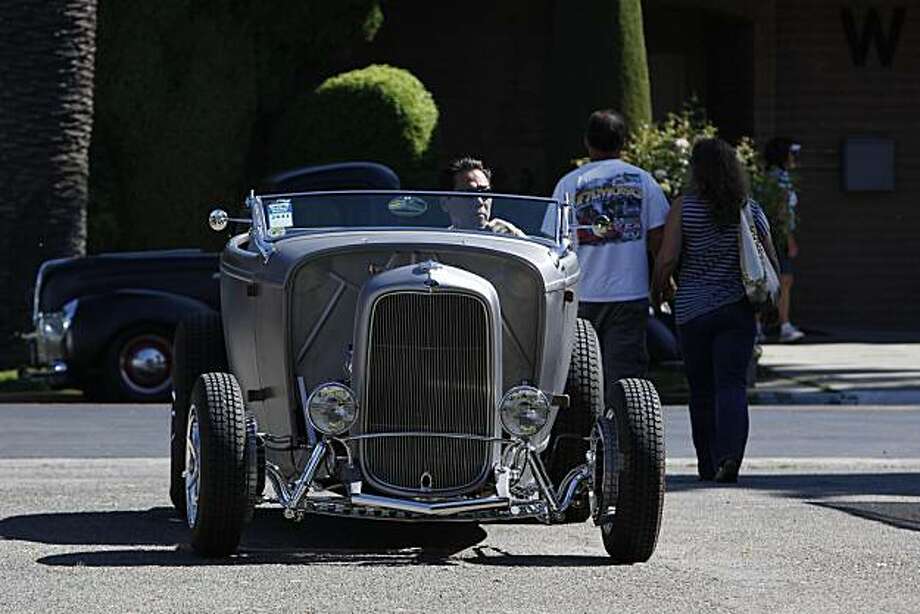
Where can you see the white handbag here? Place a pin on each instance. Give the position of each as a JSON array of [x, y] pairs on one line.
[[760, 280]]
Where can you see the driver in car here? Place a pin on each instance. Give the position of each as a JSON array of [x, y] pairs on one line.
[[472, 213]]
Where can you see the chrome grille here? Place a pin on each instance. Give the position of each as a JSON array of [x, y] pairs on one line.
[[429, 365]]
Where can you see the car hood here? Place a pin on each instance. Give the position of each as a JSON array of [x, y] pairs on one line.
[[541, 256]]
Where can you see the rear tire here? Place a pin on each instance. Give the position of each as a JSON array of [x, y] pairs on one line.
[[217, 482], [585, 387], [630, 533], [198, 348]]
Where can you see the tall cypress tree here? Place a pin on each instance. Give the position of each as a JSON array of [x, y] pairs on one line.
[[632, 88], [597, 61], [47, 50]]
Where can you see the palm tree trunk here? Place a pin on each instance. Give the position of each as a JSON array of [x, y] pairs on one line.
[[47, 52]]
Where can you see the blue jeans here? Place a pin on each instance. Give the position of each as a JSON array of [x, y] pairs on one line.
[[717, 348]]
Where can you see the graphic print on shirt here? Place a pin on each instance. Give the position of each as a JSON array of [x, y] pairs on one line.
[[620, 199]]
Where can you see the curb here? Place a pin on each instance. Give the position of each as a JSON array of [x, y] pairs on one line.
[[44, 396]]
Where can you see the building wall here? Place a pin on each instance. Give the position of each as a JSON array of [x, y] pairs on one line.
[[486, 65], [860, 252], [490, 68]]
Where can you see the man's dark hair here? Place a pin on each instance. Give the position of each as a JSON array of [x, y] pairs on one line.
[[606, 131], [462, 165], [776, 152]]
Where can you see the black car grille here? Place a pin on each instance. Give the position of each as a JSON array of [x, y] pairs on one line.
[[429, 370]]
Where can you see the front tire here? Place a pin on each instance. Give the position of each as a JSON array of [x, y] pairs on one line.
[[630, 533], [217, 478]]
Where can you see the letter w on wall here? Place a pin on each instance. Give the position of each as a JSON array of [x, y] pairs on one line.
[[873, 32]]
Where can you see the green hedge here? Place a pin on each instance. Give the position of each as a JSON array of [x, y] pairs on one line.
[[378, 113], [187, 94]]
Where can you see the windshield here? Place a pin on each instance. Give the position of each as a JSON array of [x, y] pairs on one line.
[[518, 216]]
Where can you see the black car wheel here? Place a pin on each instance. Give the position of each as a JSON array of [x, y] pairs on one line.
[[217, 479], [630, 531], [199, 348], [136, 368], [585, 388]]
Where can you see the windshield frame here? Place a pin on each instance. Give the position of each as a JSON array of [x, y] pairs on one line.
[[256, 204]]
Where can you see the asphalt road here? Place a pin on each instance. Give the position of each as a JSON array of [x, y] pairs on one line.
[[142, 431], [826, 518]]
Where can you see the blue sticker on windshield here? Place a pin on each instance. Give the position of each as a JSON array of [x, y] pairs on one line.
[[280, 214]]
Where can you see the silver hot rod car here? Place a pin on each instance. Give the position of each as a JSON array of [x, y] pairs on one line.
[[375, 357]]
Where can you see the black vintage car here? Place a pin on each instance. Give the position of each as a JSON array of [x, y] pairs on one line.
[[104, 324]]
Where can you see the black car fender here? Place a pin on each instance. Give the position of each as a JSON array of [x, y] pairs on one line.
[[101, 317]]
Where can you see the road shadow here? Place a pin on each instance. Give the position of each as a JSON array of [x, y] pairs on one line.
[[812, 488], [812, 485], [903, 515], [270, 539], [496, 557]]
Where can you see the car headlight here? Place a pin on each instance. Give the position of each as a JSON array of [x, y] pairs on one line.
[[524, 411], [332, 408], [55, 324]]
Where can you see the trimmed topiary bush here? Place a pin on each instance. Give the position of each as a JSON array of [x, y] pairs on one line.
[[378, 113]]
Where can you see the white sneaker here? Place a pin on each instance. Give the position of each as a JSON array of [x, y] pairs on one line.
[[789, 333]]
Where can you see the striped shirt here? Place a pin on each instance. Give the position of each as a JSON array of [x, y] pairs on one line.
[[709, 274]]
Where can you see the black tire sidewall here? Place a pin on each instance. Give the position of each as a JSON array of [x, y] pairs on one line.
[[223, 496], [632, 533]]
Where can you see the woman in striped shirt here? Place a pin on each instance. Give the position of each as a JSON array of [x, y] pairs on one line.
[[715, 320]]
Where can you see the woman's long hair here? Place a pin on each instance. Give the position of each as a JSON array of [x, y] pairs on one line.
[[716, 176]]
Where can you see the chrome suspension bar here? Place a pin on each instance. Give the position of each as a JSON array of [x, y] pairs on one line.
[[291, 499], [557, 502]]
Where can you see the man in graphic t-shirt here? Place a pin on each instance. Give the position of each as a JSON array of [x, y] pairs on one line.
[[614, 284]]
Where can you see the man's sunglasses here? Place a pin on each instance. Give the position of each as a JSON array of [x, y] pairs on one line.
[[480, 188]]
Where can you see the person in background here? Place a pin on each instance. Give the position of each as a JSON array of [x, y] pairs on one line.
[[781, 155], [614, 285], [714, 318]]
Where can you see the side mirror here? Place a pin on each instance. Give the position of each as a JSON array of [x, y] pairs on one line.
[[218, 219]]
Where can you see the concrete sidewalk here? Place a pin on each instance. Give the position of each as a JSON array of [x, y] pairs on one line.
[[882, 371]]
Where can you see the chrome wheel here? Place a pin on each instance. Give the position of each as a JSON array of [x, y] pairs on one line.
[[144, 364], [192, 473]]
